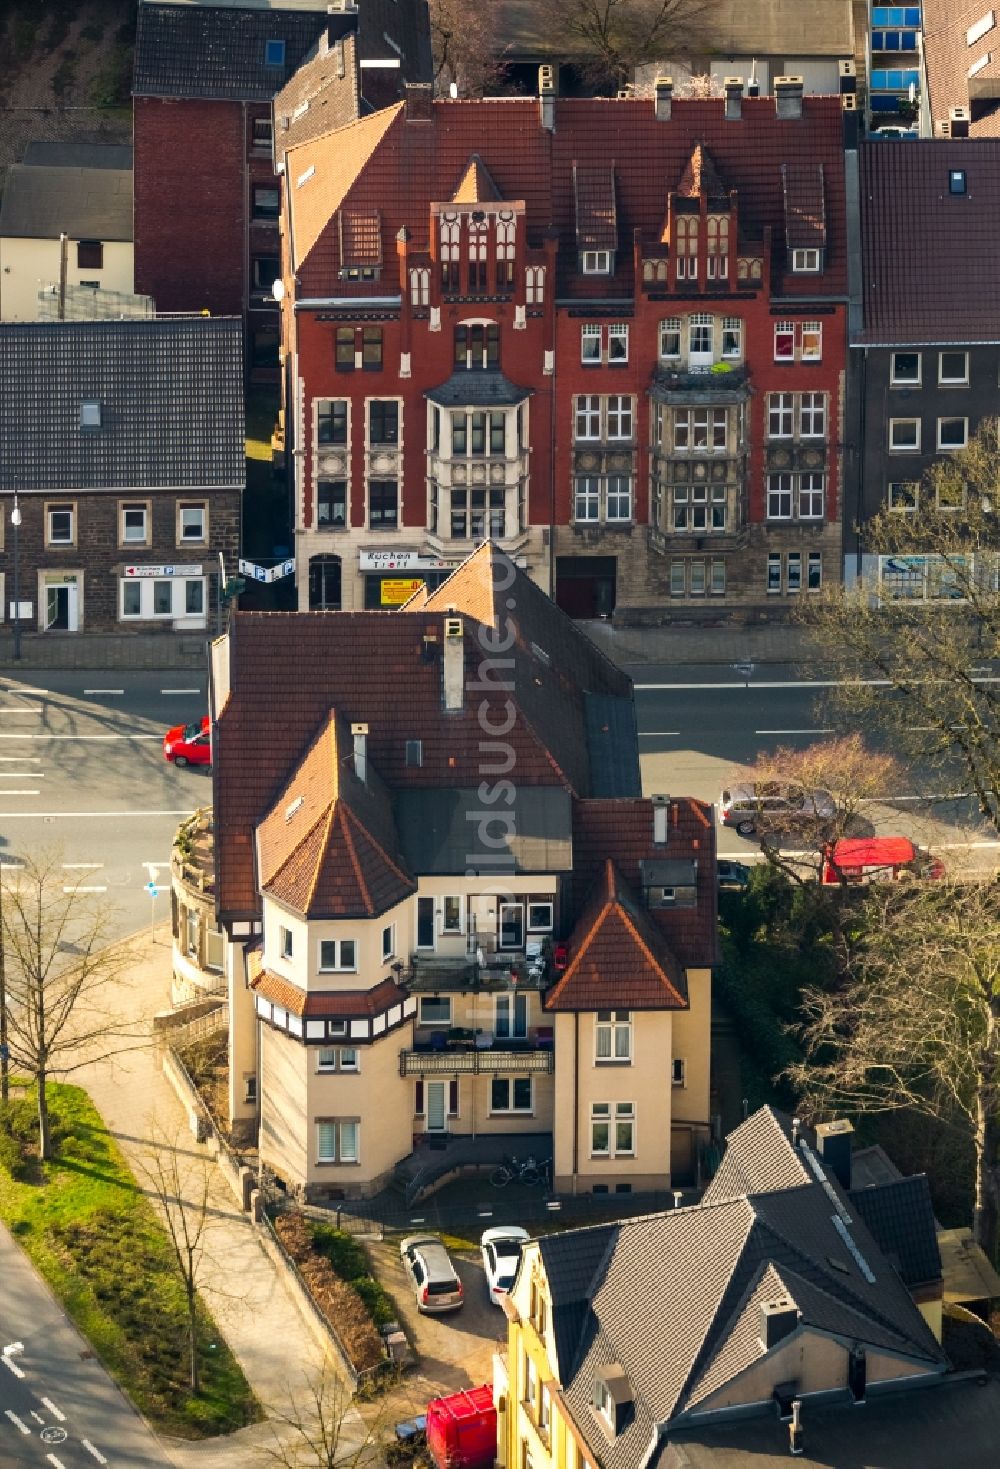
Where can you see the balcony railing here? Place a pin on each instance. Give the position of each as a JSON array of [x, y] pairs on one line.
[[721, 378], [469, 1060]]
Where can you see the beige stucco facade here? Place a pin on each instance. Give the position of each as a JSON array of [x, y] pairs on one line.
[[26, 266]]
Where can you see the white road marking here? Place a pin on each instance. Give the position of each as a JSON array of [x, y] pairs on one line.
[[936, 796], [965, 846], [17, 1421], [57, 1415], [20, 708], [71, 815], [180, 691], [8, 1354], [80, 739], [104, 691], [22, 774], [91, 1450], [793, 683], [82, 864], [658, 733], [794, 731], [20, 759], [77, 889], [56, 1463], [6, 792]]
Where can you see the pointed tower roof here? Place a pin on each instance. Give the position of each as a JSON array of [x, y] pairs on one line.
[[701, 178], [476, 185], [618, 958]]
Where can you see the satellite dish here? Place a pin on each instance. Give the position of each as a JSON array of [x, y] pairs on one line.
[[278, 290], [453, 90]]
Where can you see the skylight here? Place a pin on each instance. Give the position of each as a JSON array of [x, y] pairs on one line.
[[296, 805], [274, 53], [981, 28], [90, 414], [977, 66], [304, 178]]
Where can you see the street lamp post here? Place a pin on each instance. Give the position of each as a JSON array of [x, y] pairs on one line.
[[15, 520]]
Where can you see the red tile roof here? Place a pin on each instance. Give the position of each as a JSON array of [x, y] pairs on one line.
[[287, 670], [618, 959], [319, 1004], [475, 186], [805, 206], [700, 176], [622, 830], [408, 166], [596, 215], [930, 266]]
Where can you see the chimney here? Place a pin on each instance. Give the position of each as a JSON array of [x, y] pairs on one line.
[[833, 1144], [454, 665], [796, 1442], [788, 96], [778, 1319], [734, 98], [796, 1131], [661, 811], [848, 72], [360, 733], [341, 21], [958, 117], [547, 97], [663, 92], [418, 97]]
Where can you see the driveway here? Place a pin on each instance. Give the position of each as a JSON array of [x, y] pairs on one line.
[[456, 1349]]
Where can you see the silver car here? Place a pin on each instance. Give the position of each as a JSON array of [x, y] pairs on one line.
[[434, 1278], [766, 803]]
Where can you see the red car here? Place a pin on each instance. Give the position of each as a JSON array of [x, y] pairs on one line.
[[189, 744]]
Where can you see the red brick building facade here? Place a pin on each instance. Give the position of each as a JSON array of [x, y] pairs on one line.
[[609, 334]]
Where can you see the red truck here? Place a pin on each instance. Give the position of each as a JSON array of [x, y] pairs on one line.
[[462, 1430]]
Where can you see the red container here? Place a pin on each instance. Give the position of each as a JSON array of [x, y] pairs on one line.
[[462, 1430]]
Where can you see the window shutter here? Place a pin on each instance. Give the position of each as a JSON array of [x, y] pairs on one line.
[[418, 1105], [453, 1097]]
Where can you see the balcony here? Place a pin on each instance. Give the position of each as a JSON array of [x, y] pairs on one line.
[[721, 383], [488, 971], [517, 1056]]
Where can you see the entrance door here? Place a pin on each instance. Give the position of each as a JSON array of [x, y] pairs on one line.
[[425, 923], [437, 1103], [512, 925], [61, 614]]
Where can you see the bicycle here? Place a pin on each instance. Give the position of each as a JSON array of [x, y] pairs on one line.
[[513, 1170]]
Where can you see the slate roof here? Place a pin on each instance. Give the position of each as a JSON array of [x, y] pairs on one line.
[[171, 398], [84, 203], [930, 269], [218, 52], [949, 60], [469, 388], [328, 848], [444, 831], [631, 164], [901, 1217], [618, 958], [622, 829], [674, 1300], [42, 154], [362, 662], [700, 177]]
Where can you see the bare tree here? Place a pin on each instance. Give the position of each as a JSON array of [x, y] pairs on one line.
[[468, 51], [182, 1193], [917, 1028], [914, 643], [608, 39], [323, 1428], [58, 966], [827, 786]]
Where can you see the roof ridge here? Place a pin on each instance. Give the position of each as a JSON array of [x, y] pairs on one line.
[[321, 816], [324, 847], [369, 836]]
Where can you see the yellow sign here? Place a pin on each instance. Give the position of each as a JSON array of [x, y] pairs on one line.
[[397, 590]]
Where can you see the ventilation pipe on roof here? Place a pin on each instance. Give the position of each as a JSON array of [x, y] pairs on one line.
[[453, 668], [958, 117], [661, 808], [788, 96], [360, 733], [753, 85], [547, 97], [734, 98], [796, 1441], [663, 97]]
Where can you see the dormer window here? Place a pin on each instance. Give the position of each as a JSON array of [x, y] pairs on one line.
[[612, 1398], [807, 262], [596, 262]]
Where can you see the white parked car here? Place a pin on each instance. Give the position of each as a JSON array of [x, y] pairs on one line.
[[501, 1247]]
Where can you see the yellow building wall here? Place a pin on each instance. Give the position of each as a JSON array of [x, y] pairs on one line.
[[378, 1096], [242, 1036], [933, 1312], [27, 265], [692, 1035], [645, 1083], [285, 1143]]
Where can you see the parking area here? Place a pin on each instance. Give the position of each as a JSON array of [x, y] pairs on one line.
[[455, 1349]]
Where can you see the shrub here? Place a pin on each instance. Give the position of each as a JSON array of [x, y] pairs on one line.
[[339, 1302]]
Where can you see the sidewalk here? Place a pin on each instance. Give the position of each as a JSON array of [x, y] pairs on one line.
[[106, 650], [276, 1348]]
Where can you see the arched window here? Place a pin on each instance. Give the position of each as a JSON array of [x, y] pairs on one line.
[[506, 238], [450, 233], [686, 233], [478, 249], [718, 247]]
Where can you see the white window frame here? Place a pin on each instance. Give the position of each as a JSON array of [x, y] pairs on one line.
[[423, 1000], [812, 412], [510, 1110], [814, 571], [60, 507], [613, 1029], [814, 330], [780, 415], [895, 448], [452, 928], [337, 1156], [534, 280], [388, 942], [793, 572], [775, 577], [620, 498], [902, 486], [586, 499], [184, 506], [590, 343], [420, 285], [620, 412], [783, 330], [732, 329], [338, 966], [587, 413], [613, 1115], [595, 262], [944, 448], [540, 923], [670, 326], [953, 382], [618, 332], [134, 507], [147, 591], [896, 381], [776, 495], [806, 261], [286, 942], [806, 495], [678, 1071]]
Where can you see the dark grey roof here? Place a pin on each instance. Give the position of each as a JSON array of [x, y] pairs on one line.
[[78, 155], [954, 1423], [571, 1263], [170, 395], [84, 203], [901, 1217], [447, 831], [613, 745], [489, 389], [218, 52], [759, 1155]]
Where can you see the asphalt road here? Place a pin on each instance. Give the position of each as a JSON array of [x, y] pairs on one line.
[[58, 1407], [82, 771]]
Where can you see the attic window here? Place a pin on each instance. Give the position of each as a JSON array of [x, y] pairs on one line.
[[274, 53], [806, 262], [596, 262], [414, 752], [90, 414], [301, 110], [304, 178], [296, 805], [956, 181], [978, 66], [981, 28], [612, 1397]]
